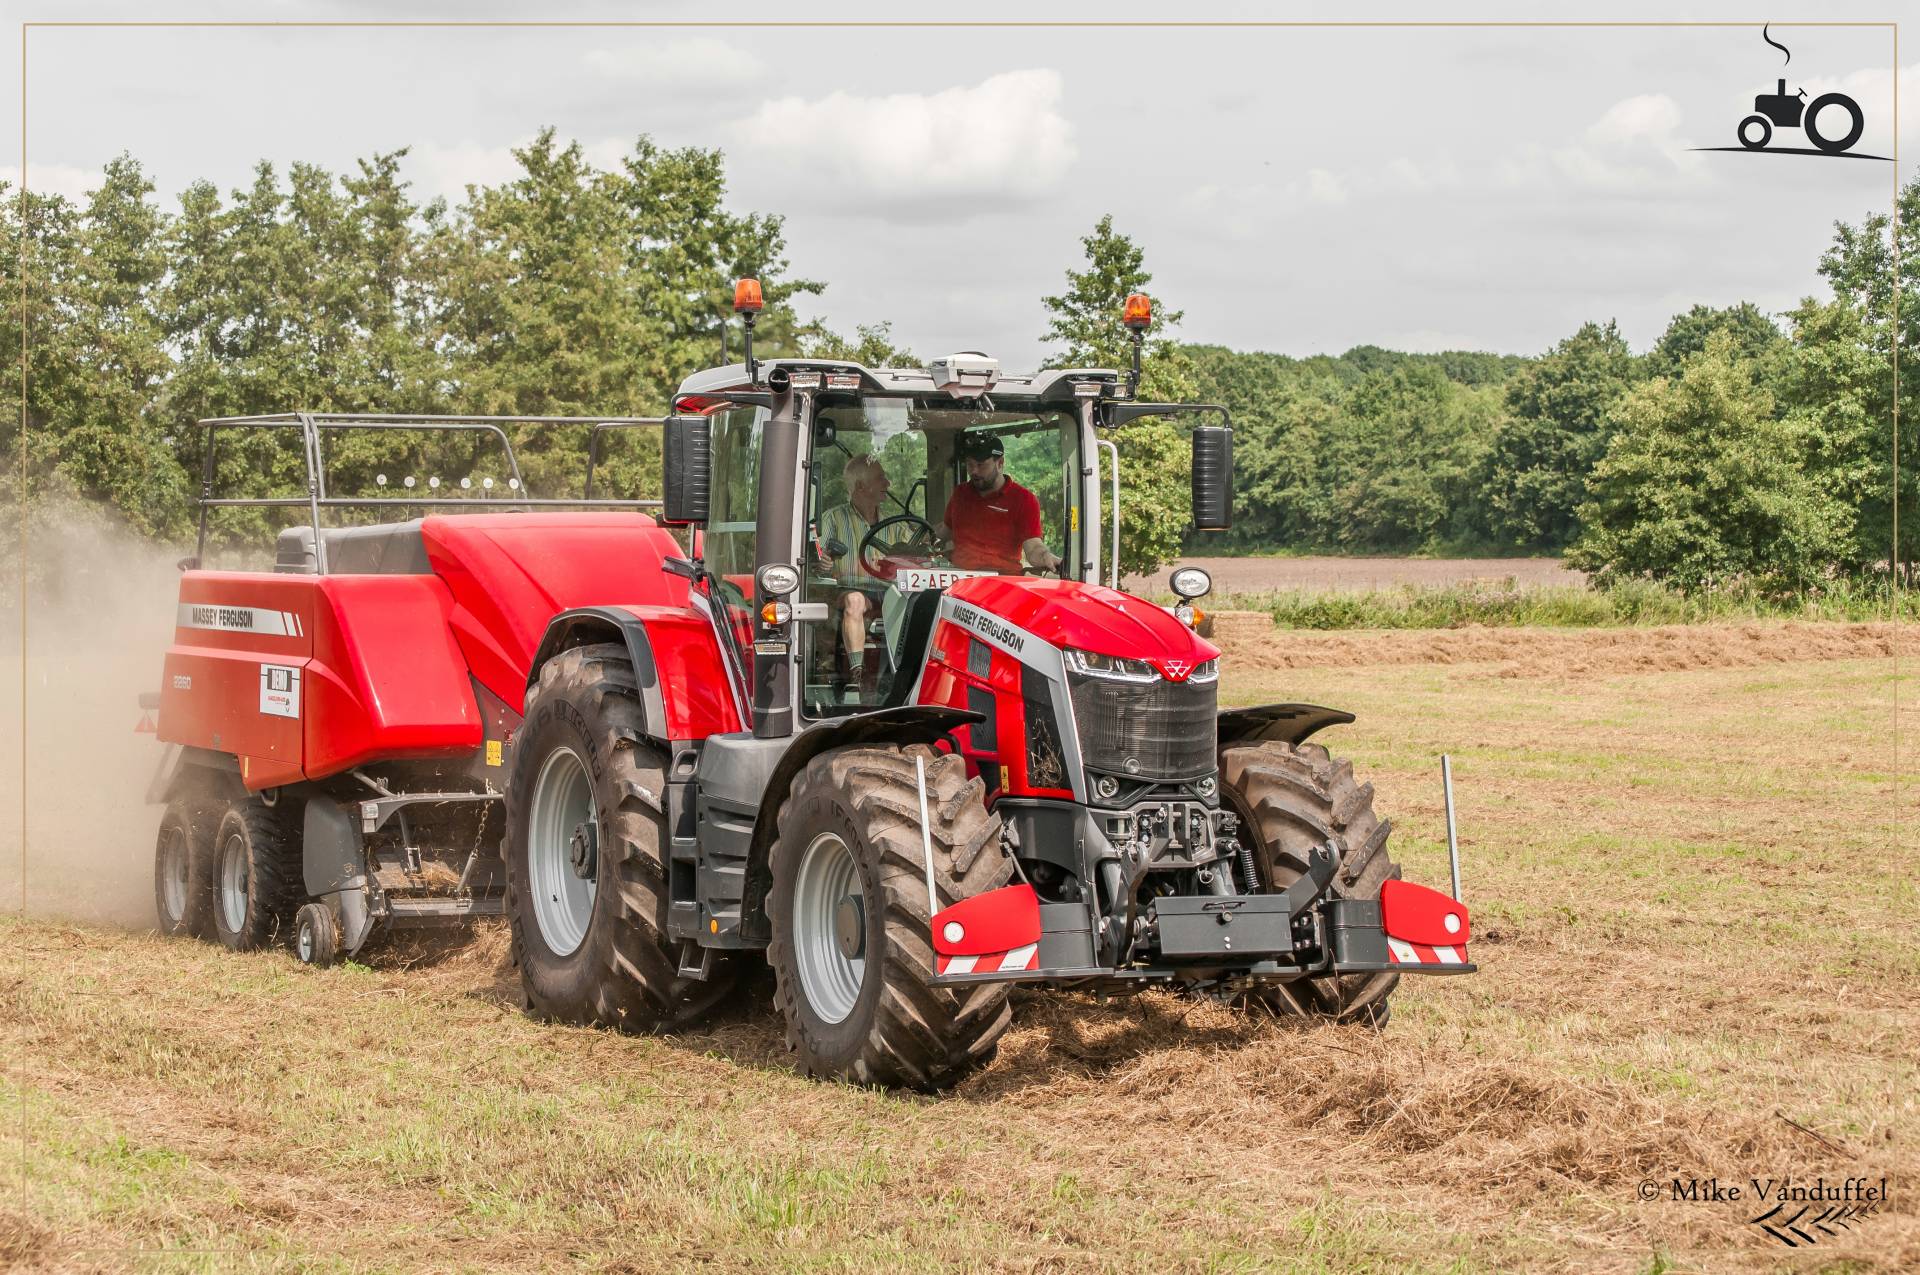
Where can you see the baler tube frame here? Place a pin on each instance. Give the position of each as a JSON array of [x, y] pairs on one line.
[[310, 425]]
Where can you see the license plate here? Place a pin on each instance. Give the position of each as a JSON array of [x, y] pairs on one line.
[[920, 579]]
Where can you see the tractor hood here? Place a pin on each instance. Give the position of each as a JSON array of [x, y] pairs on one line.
[[1089, 617]]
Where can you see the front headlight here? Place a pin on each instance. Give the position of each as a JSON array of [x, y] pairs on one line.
[[1207, 672], [1114, 667], [1191, 583], [777, 579]]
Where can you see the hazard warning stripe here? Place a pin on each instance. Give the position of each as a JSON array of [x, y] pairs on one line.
[[1016, 961], [1405, 953]]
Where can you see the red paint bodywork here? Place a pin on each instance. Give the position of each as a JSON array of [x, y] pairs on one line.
[[996, 921], [695, 686], [512, 573], [1417, 914], [1061, 613], [387, 662], [1089, 617]]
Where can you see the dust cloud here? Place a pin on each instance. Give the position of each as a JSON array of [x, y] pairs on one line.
[[76, 834]]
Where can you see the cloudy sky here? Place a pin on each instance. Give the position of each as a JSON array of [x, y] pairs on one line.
[[1296, 189]]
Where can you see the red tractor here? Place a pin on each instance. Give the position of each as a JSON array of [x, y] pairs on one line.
[[911, 748]]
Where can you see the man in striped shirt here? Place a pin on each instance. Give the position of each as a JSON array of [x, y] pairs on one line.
[[867, 482]]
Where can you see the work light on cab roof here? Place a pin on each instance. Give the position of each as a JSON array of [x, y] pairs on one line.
[[1137, 315]]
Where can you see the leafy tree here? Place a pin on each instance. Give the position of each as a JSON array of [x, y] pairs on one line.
[[39, 248], [872, 346], [1753, 334], [1398, 457], [1704, 483], [1835, 384], [1535, 472], [1155, 463], [112, 446], [569, 291], [1842, 374]]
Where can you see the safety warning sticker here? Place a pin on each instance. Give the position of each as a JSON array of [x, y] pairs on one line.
[[280, 690]]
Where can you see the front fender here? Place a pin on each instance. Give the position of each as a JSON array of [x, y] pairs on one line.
[[678, 668], [908, 724], [1287, 723]]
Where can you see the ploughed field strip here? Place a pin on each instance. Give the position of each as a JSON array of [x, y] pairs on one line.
[[1690, 927], [1250, 641]]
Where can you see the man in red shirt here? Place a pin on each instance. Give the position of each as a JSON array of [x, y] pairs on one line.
[[991, 520]]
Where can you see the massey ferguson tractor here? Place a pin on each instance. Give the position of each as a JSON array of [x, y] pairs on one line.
[[858, 701]]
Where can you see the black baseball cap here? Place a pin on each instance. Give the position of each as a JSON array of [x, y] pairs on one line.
[[981, 446]]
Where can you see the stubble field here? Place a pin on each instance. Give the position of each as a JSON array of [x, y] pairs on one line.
[[1695, 919]]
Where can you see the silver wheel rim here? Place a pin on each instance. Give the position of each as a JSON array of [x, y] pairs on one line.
[[233, 883], [562, 901], [306, 940], [173, 876], [830, 979]]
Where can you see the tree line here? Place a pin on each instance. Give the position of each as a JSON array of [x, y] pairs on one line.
[[1739, 447]]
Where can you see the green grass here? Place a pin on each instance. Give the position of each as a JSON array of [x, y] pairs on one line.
[[1626, 603]]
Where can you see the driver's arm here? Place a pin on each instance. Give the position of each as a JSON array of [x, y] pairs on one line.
[[1038, 555]]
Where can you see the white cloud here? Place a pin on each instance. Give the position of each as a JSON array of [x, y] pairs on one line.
[[54, 179], [1431, 173], [701, 61], [1324, 187], [952, 153], [1635, 146], [449, 170], [1652, 116]]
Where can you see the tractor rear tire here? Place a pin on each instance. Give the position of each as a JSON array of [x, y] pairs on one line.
[[591, 949], [257, 879], [1291, 798], [850, 876], [183, 871]]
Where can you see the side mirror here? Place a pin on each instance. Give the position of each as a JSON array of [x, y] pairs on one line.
[[1212, 478], [687, 462]]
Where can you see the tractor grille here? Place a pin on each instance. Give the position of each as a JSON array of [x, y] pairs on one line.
[[1166, 729]]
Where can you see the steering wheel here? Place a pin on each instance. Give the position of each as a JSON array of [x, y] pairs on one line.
[[904, 540]]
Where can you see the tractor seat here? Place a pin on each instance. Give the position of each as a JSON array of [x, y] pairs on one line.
[[384, 549]]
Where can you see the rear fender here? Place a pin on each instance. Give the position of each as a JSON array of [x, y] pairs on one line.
[[186, 771], [685, 692], [1285, 723]]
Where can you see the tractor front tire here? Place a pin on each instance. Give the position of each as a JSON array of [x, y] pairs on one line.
[[1290, 799], [183, 871], [257, 878], [587, 855], [852, 953]]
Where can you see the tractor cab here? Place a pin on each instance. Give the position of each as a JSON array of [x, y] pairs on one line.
[[901, 495]]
